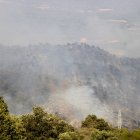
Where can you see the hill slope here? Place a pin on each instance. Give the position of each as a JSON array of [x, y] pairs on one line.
[[73, 80]]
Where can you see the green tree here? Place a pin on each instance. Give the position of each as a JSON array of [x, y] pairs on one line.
[[8, 128], [41, 125], [91, 121]]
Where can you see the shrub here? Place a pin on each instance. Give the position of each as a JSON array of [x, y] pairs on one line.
[[69, 136], [103, 135]]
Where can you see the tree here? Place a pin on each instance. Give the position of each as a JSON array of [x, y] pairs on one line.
[[41, 125], [8, 128], [91, 121]]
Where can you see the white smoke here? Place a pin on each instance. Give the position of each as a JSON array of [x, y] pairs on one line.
[[76, 102]]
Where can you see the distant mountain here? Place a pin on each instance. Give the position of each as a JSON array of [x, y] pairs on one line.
[[72, 80]]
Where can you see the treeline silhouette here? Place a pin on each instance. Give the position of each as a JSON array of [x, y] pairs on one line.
[[39, 125]]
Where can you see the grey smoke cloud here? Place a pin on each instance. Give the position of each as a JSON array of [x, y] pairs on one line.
[[74, 80], [26, 22], [76, 102]]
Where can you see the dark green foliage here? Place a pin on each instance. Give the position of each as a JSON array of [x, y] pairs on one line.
[[36, 125], [43, 126], [8, 128], [103, 135], [91, 121], [69, 136], [124, 134], [136, 134], [3, 107]]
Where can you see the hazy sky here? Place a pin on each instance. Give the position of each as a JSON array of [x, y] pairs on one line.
[[114, 25]]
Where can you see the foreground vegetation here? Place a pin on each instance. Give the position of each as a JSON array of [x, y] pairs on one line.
[[39, 125]]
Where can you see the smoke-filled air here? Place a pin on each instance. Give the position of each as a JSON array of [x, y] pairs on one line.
[[69, 70]]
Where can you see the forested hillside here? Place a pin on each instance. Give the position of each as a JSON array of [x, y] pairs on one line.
[[73, 80]]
